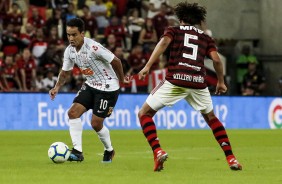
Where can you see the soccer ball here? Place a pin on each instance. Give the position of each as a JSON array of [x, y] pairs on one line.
[[58, 152]]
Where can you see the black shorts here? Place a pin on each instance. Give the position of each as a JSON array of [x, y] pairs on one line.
[[101, 102]]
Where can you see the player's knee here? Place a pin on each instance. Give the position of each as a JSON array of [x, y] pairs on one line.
[[140, 113], [73, 114], [96, 126], [211, 116], [143, 112]]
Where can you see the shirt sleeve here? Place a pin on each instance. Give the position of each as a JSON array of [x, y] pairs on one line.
[[211, 46], [169, 32], [67, 63], [102, 53]]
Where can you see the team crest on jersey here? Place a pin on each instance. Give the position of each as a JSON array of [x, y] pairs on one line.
[[110, 110]]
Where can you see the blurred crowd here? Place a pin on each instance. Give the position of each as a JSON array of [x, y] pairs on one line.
[[251, 80], [33, 40], [33, 37]]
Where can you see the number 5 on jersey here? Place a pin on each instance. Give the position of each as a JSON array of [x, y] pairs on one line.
[[194, 47]]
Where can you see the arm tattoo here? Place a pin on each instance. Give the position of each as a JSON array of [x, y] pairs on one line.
[[62, 78]]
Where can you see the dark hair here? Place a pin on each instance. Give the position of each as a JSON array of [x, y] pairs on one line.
[[12, 56], [15, 4], [76, 22], [190, 13], [85, 6]]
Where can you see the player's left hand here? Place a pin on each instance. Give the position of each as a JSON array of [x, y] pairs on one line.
[[53, 92], [142, 74], [127, 79], [220, 88]]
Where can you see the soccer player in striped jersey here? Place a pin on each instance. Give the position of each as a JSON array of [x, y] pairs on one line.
[[185, 79], [103, 72]]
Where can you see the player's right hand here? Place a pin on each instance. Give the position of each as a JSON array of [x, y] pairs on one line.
[[53, 92], [142, 74], [220, 88]]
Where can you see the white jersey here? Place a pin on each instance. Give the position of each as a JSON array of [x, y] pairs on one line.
[[94, 62]]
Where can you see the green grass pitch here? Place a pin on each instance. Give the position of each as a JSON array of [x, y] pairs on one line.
[[194, 157]]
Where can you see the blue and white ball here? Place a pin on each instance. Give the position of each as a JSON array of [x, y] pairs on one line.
[[58, 152]]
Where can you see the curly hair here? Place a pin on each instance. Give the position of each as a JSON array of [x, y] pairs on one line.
[[190, 13]]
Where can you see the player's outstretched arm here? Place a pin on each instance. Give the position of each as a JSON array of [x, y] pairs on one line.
[[62, 78], [117, 66], [217, 64], [159, 49]]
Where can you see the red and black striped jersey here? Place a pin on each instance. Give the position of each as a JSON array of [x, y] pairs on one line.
[[188, 49]]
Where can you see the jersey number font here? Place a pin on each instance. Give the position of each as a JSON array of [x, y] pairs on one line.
[[194, 47]]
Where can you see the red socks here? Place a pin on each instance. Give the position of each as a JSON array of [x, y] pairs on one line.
[[150, 132], [220, 135]]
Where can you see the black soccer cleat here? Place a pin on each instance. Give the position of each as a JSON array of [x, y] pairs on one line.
[[108, 156], [76, 156]]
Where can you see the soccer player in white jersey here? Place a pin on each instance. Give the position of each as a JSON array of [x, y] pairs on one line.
[[103, 72]]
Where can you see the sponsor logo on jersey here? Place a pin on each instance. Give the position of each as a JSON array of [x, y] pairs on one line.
[[106, 74], [87, 71], [97, 84], [197, 68], [190, 78]]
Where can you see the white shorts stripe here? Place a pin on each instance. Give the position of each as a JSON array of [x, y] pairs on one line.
[[157, 87]]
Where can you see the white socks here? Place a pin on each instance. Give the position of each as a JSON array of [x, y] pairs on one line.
[[104, 136], [76, 133]]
